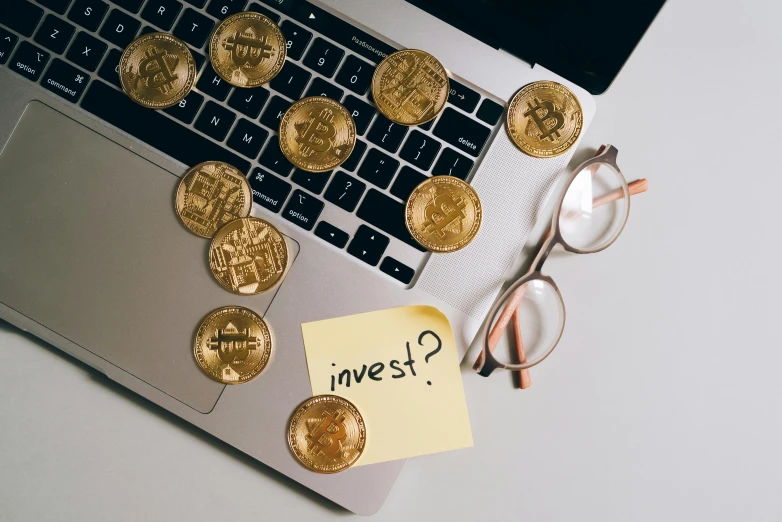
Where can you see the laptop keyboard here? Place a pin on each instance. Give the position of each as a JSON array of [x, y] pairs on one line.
[[72, 48]]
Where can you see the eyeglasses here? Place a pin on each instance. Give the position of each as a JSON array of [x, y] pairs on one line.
[[589, 216]]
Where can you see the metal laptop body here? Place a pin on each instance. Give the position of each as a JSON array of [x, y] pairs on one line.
[[94, 261]]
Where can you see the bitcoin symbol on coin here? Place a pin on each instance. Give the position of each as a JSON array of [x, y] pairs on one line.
[[443, 213], [329, 441], [546, 132], [246, 48], [155, 72], [233, 344], [315, 135]]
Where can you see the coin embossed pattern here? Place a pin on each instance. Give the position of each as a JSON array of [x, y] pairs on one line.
[[232, 345], [248, 256], [443, 214], [247, 49], [210, 195], [317, 134], [327, 434], [157, 70], [410, 87], [544, 119]]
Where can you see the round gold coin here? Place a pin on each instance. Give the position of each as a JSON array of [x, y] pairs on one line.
[[327, 434], [247, 49], [157, 70], [317, 134], [410, 87], [544, 119], [210, 195], [248, 256], [443, 214], [232, 345]]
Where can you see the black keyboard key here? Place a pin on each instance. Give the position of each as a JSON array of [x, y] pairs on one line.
[[303, 209], [88, 13], [199, 58], [269, 191], [273, 112], [330, 233], [407, 179], [248, 101], [323, 57], [193, 28], [462, 132], [397, 270], [186, 109], [368, 245], [355, 156], [212, 84], [224, 8], [420, 150], [129, 5], [388, 215], [64, 80], [291, 80], [312, 181], [355, 75], [156, 129], [86, 51], [451, 163], [247, 138], [119, 28], [361, 111], [54, 34], [161, 13], [265, 11], [297, 37], [378, 168], [20, 16], [109, 71], [197, 3], [387, 134], [273, 159], [490, 112], [7, 42], [215, 121], [29, 61], [462, 96], [58, 6], [345, 191], [320, 87]]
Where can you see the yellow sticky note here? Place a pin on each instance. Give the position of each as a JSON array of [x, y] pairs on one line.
[[401, 370]]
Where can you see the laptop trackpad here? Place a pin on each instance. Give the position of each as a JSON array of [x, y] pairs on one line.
[[90, 247]]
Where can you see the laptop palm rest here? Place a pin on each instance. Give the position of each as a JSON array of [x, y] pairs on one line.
[[90, 247]]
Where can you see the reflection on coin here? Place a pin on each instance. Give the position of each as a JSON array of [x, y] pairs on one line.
[[210, 195], [232, 345], [317, 134], [544, 119], [327, 434], [157, 70], [443, 214], [248, 256], [247, 49], [410, 87]]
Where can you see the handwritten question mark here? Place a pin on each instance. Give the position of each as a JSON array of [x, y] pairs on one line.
[[433, 352]]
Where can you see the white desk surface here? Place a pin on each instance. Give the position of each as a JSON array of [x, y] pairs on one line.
[[662, 401]]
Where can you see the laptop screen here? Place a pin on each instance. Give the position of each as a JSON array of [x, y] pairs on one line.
[[585, 41]]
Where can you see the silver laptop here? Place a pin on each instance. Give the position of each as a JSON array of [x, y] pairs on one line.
[[94, 261]]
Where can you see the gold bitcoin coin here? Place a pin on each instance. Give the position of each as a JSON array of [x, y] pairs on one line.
[[232, 345], [327, 434], [443, 214], [544, 119], [210, 195], [248, 256], [410, 87], [157, 70], [317, 134], [247, 49]]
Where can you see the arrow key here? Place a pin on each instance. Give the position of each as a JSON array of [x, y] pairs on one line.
[[397, 270], [332, 234], [368, 245]]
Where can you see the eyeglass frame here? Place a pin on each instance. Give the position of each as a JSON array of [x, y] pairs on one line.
[[486, 363]]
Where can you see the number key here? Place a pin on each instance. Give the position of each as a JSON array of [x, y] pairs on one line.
[[356, 75], [224, 8], [297, 37], [345, 191], [323, 57]]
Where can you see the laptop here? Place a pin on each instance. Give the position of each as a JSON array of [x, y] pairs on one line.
[[95, 262]]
